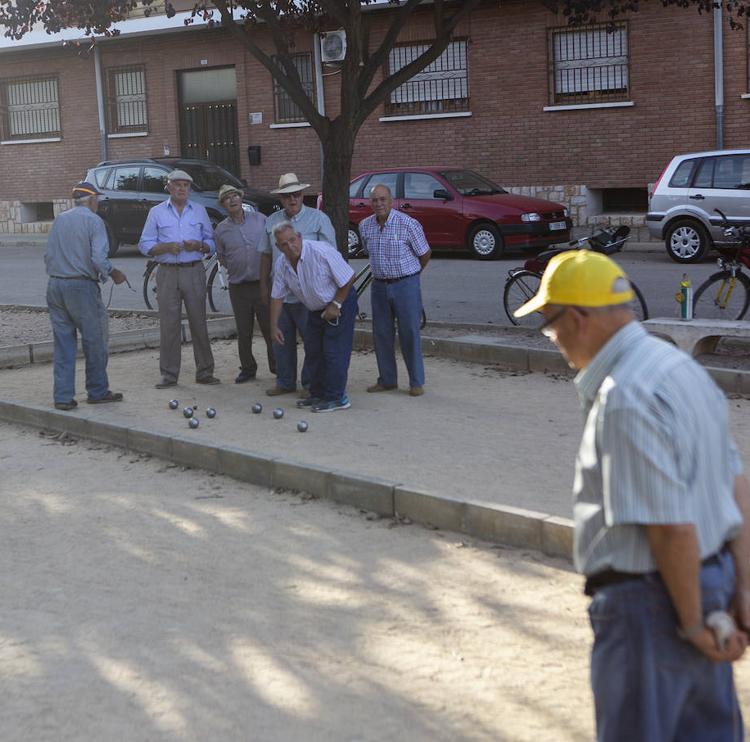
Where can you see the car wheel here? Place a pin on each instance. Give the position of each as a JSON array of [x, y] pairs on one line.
[[485, 241], [353, 243], [114, 243], [687, 241]]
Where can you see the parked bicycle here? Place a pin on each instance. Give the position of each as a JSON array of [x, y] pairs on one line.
[[726, 294], [364, 278], [217, 286], [523, 283]]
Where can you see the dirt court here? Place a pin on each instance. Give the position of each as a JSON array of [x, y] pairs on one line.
[[143, 601]]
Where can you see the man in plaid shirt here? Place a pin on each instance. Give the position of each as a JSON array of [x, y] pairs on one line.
[[398, 253]]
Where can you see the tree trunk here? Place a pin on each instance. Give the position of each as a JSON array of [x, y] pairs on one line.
[[338, 149]]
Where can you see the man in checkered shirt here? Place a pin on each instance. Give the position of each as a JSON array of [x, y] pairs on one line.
[[398, 253]]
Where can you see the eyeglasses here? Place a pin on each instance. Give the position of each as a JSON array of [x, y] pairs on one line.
[[546, 327]]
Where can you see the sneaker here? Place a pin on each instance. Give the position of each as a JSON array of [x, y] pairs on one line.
[[244, 376], [380, 388], [66, 406], [416, 391], [331, 405], [208, 380], [309, 401], [166, 383], [108, 397], [275, 391]]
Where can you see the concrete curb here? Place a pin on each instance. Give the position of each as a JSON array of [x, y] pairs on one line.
[[507, 525]]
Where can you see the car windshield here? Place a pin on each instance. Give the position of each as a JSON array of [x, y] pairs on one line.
[[469, 183], [208, 177]]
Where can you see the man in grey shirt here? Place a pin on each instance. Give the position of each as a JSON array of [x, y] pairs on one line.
[[237, 239], [661, 510], [76, 261], [312, 224]]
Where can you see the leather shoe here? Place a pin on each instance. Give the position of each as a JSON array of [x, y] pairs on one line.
[[208, 380], [275, 391], [380, 388], [108, 397], [66, 406], [165, 384], [244, 376], [416, 391]]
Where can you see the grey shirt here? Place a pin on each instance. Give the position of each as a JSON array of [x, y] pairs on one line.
[[237, 246], [312, 224], [77, 246], [656, 450]]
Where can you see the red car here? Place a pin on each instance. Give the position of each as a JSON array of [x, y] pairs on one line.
[[461, 209]]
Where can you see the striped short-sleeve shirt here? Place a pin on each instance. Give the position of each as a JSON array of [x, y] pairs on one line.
[[656, 450], [321, 272]]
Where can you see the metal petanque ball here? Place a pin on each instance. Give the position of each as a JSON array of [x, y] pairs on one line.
[[193, 422], [257, 408], [210, 412], [173, 404], [278, 413], [302, 426], [188, 412]]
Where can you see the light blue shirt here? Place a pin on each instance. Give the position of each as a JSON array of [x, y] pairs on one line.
[[165, 224], [77, 246], [312, 224], [656, 450]]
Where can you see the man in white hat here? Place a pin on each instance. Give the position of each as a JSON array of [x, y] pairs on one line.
[[311, 224], [178, 235]]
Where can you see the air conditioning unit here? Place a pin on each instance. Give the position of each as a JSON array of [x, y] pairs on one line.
[[333, 46]]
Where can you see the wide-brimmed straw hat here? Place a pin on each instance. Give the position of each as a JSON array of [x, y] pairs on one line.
[[289, 183]]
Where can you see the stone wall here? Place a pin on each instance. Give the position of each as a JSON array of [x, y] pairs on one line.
[[11, 220]]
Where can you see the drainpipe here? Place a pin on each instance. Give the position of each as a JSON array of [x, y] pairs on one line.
[[100, 103], [319, 93], [719, 75]]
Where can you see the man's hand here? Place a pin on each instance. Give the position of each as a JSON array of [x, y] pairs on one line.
[[277, 335], [740, 608], [734, 647], [117, 276], [331, 312], [172, 248], [193, 246]]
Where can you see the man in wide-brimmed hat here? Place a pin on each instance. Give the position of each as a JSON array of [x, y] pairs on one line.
[[312, 224]]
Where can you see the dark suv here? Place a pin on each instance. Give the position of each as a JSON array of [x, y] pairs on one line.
[[131, 187]]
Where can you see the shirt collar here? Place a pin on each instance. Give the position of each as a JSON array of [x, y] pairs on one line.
[[590, 378], [297, 216], [188, 205]]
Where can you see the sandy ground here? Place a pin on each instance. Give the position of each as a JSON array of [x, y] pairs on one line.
[[142, 601], [479, 433]]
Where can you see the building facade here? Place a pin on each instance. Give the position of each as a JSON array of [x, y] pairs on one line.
[[585, 116]]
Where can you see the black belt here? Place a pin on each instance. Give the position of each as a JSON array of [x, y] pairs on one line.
[[75, 278], [613, 577], [395, 280], [183, 265]]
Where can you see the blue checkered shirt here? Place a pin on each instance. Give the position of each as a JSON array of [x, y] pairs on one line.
[[395, 248]]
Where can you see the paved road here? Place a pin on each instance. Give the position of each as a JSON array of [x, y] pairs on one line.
[[456, 288]]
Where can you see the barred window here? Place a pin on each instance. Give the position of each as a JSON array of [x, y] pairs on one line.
[[589, 64], [30, 108], [126, 100], [441, 87], [286, 111]]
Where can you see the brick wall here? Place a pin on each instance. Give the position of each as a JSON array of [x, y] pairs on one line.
[[508, 137]]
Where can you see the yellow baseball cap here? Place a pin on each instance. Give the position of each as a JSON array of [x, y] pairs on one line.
[[580, 278]]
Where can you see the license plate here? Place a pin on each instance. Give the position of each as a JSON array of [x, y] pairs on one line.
[[557, 225]]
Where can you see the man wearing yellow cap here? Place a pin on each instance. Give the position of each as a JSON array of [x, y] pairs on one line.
[[661, 511]]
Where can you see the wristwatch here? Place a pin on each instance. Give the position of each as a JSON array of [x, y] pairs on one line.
[[336, 304]]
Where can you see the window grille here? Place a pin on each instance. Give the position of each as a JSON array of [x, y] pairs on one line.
[[30, 108], [286, 111], [126, 100], [589, 64], [442, 86]]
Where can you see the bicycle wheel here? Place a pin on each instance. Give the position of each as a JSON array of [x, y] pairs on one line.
[[639, 304], [722, 296], [519, 288], [149, 285], [218, 291]]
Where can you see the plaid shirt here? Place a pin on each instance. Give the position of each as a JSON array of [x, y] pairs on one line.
[[321, 272], [395, 248]]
